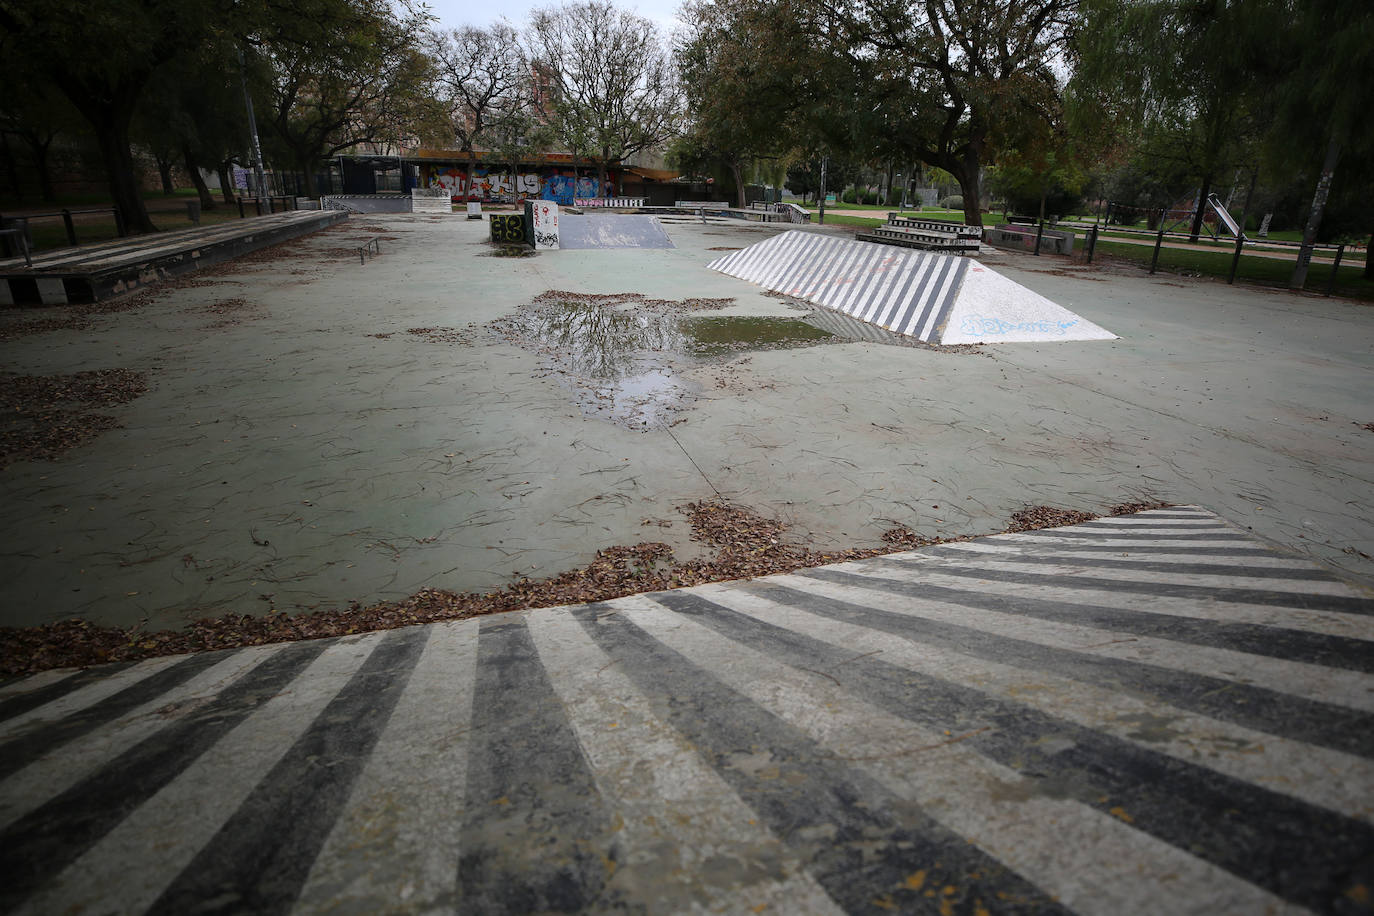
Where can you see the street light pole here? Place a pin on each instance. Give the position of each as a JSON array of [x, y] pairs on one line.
[[258, 175]]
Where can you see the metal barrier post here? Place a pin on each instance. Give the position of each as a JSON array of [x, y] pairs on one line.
[[1235, 259], [71, 227], [1335, 266], [241, 213], [257, 202], [1159, 240], [119, 222], [1092, 243]]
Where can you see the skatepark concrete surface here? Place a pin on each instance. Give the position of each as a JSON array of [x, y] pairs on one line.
[[300, 448]]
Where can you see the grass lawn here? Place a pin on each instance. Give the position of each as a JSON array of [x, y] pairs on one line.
[[1350, 279]]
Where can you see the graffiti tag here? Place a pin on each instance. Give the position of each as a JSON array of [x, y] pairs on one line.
[[978, 325]]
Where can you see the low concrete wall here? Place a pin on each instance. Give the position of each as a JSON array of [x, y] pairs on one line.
[[1055, 241], [430, 200], [367, 203]]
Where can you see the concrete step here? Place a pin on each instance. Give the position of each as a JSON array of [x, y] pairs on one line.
[[1154, 707]]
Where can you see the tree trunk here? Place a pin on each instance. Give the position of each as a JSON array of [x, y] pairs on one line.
[[10, 168], [207, 202], [164, 170], [737, 170], [112, 136], [1206, 189], [226, 182], [970, 189], [601, 174], [41, 165], [1314, 219]]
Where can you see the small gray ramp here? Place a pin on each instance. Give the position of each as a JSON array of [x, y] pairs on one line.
[[612, 230]]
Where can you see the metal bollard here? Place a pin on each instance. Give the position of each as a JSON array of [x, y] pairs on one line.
[[1335, 266], [1159, 240], [71, 227]]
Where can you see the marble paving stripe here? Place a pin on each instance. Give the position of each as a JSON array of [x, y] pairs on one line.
[[1329, 623], [537, 835], [665, 796], [397, 840], [44, 688], [24, 748], [861, 841], [997, 549], [1233, 824], [948, 585], [89, 692], [1184, 564], [1097, 862], [1262, 709], [54, 773], [38, 846], [1120, 548], [1124, 533], [260, 857], [1319, 776]]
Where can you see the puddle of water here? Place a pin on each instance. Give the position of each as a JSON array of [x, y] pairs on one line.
[[626, 364], [718, 335]]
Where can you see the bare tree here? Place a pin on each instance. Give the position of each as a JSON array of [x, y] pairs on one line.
[[484, 82], [611, 82]]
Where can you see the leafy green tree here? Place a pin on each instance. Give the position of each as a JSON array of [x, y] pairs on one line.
[[35, 114], [1313, 66], [340, 73], [941, 74], [102, 59], [740, 95], [1176, 74]]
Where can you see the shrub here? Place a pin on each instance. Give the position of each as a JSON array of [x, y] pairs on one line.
[[953, 202], [848, 196]]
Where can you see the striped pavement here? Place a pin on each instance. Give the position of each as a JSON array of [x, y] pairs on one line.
[[1143, 714]]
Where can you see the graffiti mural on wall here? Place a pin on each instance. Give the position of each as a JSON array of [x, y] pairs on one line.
[[558, 185]]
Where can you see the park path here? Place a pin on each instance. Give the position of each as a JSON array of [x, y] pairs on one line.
[[1154, 707]]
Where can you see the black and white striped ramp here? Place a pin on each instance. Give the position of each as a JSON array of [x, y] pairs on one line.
[[936, 298], [1147, 714]]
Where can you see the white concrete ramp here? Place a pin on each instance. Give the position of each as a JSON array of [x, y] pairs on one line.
[[937, 298]]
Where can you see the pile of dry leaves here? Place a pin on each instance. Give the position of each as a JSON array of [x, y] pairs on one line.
[[45, 415], [746, 544]]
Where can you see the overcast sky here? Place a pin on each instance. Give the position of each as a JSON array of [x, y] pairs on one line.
[[455, 13]]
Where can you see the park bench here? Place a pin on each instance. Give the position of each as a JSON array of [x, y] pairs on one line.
[[945, 237]]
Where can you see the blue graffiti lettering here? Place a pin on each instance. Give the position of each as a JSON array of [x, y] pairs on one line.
[[977, 325]]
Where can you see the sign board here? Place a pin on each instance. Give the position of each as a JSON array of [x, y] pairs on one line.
[[474, 209], [543, 221], [508, 228]]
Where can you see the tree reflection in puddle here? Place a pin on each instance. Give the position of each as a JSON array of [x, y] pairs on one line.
[[623, 359]]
